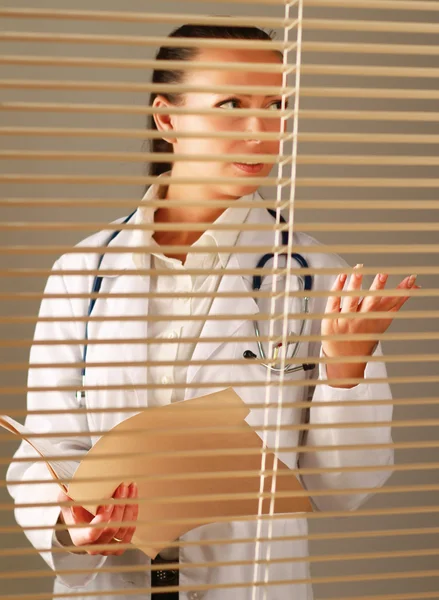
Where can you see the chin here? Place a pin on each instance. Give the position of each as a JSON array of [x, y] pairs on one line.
[[240, 190]]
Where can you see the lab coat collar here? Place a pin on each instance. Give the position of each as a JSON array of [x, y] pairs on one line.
[[235, 214], [131, 239], [126, 239]]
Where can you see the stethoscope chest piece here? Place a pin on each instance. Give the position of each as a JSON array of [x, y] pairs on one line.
[[306, 284]]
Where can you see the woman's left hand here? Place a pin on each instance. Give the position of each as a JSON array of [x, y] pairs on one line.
[[357, 325]]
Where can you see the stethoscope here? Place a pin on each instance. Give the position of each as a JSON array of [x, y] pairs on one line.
[[306, 281]]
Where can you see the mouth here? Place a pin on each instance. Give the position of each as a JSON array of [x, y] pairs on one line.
[[251, 168]]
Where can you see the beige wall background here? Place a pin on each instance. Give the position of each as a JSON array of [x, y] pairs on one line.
[[11, 582]]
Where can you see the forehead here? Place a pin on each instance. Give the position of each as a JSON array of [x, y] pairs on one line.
[[238, 77]]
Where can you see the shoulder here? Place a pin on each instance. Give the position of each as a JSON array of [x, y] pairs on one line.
[[319, 260], [82, 266], [316, 258], [85, 260]]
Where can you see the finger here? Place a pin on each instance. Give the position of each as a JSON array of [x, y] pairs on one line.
[[65, 510], [88, 535], [81, 514], [127, 515], [94, 533], [73, 515], [62, 496], [112, 530], [333, 303], [371, 303], [126, 533], [103, 515], [410, 285], [108, 515], [136, 506], [394, 303], [350, 303], [134, 515]]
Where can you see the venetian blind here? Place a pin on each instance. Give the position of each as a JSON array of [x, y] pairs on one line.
[[357, 170]]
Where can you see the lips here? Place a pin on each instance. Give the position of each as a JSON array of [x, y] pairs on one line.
[[249, 168]]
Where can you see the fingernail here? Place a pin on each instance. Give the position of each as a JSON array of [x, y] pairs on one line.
[[342, 277], [359, 266], [383, 277], [412, 280]]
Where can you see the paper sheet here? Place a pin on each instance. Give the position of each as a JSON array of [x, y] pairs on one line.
[[58, 470]]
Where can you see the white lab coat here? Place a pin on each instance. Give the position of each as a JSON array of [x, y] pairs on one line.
[[191, 578]]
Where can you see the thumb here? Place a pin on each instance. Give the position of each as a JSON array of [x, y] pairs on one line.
[[78, 513], [63, 497], [66, 511]]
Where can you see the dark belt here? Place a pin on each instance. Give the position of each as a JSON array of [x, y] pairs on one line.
[[163, 579]]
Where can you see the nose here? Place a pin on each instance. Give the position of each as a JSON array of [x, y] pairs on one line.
[[254, 125], [252, 142]]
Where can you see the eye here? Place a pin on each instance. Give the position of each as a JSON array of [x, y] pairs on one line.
[[278, 104], [235, 100]]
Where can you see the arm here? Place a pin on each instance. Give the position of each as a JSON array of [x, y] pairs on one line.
[[360, 393], [23, 472], [334, 436]]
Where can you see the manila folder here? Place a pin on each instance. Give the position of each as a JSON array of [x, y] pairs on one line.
[[189, 461]]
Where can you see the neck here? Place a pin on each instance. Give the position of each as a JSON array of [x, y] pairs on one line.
[[187, 214]]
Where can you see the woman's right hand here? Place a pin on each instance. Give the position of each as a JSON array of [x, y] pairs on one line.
[[109, 514]]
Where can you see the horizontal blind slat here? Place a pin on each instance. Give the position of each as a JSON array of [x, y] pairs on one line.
[[343, 115], [314, 69], [419, 488], [18, 227], [369, 205], [239, 473], [221, 541], [211, 564], [198, 587], [418, 445], [423, 400], [353, 316]]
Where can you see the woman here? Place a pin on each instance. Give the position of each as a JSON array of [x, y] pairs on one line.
[[232, 580]]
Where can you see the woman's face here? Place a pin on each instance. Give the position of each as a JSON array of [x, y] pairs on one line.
[[230, 104]]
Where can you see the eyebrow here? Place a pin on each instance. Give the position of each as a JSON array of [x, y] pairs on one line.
[[250, 95]]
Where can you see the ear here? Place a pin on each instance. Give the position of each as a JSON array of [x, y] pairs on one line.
[[163, 121]]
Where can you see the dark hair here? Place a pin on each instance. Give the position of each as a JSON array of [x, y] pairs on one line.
[[169, 76]]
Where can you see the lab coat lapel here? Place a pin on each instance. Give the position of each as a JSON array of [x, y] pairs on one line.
[[137, 330], [132, 306], [232, 283], [223, 306]]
